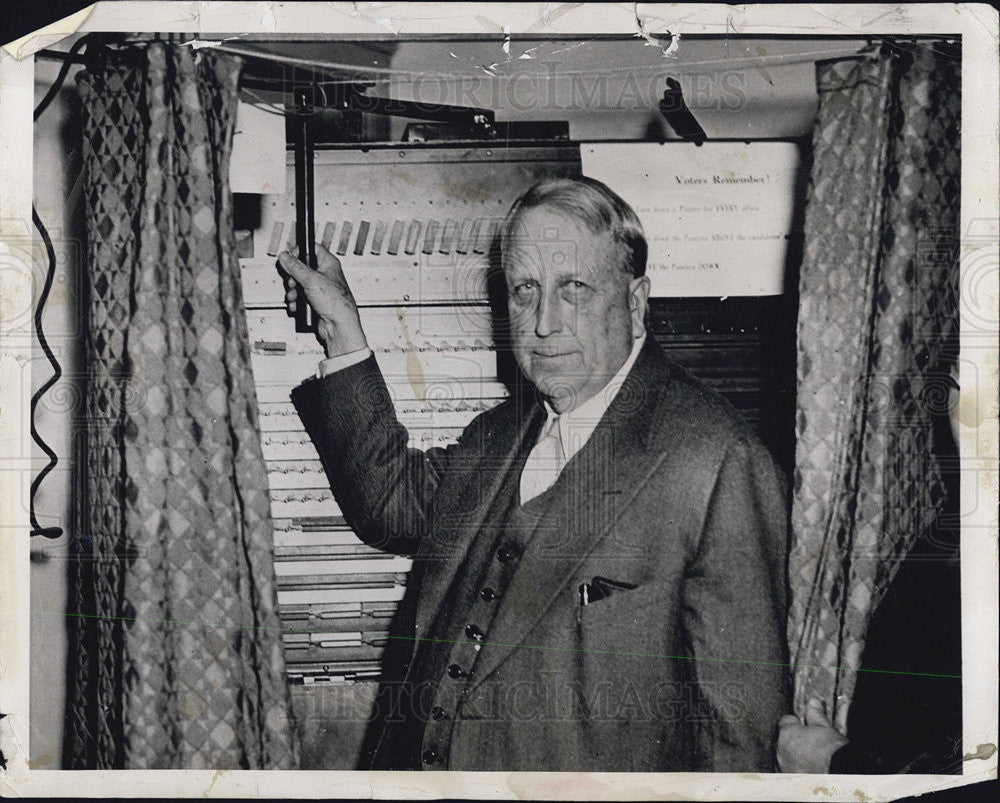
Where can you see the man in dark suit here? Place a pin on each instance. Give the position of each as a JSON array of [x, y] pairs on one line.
[[598, 576]]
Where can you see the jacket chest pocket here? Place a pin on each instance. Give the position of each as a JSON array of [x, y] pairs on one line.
[[629, 620], [597, 608]]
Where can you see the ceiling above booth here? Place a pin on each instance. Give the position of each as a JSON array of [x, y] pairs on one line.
[[606, 88]]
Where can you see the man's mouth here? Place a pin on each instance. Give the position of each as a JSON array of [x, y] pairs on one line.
[[550, 354]]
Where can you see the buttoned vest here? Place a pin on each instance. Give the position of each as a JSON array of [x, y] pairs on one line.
[[446, 656]]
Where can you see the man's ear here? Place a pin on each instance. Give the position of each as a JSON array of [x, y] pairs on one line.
[[638, 299]]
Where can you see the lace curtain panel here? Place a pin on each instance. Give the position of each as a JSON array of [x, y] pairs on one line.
[[878, 298], [176, 661]]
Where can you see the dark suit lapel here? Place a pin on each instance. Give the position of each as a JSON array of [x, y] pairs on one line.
[[596, 486], [500, 451]]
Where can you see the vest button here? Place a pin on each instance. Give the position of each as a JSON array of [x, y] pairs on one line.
[[431, 756], [437, 712], [488, 594], [456, 672], [505, 554], [474, 633]]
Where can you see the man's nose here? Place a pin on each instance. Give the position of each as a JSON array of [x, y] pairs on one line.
[[549, 316]]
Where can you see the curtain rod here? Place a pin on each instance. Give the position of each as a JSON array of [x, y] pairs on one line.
[[779, 59], [775, 60], [755, 61]]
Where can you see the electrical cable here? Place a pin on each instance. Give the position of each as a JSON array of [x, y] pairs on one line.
[[36, 528], [43, 104]]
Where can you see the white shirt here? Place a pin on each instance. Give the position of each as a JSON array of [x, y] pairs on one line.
[[333, 364], [561, 436]]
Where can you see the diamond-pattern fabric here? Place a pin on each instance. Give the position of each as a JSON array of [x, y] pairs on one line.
[[878, 296], [177, 662]]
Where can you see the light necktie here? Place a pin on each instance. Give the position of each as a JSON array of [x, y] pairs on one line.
[[544, 463]]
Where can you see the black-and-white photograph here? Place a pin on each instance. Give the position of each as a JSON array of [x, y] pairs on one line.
[[518, 395]]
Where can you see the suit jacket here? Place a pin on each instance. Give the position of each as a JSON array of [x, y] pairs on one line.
[[673, 494]]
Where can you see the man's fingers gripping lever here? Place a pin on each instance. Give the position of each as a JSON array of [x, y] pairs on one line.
[[327, 292]]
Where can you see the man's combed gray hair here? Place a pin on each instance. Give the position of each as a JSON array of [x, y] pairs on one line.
[[594, 204]]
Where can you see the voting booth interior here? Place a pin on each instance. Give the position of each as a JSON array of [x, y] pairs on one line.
[[415, 226], [413, 166]]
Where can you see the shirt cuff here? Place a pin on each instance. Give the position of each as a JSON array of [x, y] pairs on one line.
[[333, 364]]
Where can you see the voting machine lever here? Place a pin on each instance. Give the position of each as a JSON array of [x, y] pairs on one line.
[[305, 197]]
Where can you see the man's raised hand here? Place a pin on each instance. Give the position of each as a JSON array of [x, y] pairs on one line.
[[327, 292]]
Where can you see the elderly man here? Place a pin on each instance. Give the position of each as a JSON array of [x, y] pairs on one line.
[[598, 574]]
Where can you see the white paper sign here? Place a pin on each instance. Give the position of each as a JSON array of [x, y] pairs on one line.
[[716, 216], [258, 161]]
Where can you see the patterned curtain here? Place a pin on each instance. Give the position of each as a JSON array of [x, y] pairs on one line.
[[177, 660], [878, 298]]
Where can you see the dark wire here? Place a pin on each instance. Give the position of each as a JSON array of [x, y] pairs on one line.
[[43, 104], [36, 529]]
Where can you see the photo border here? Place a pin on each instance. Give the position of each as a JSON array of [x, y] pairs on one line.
[[977, 24]]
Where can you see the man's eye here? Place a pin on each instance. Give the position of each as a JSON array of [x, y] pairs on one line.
[[575, 287], [524, 290]]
